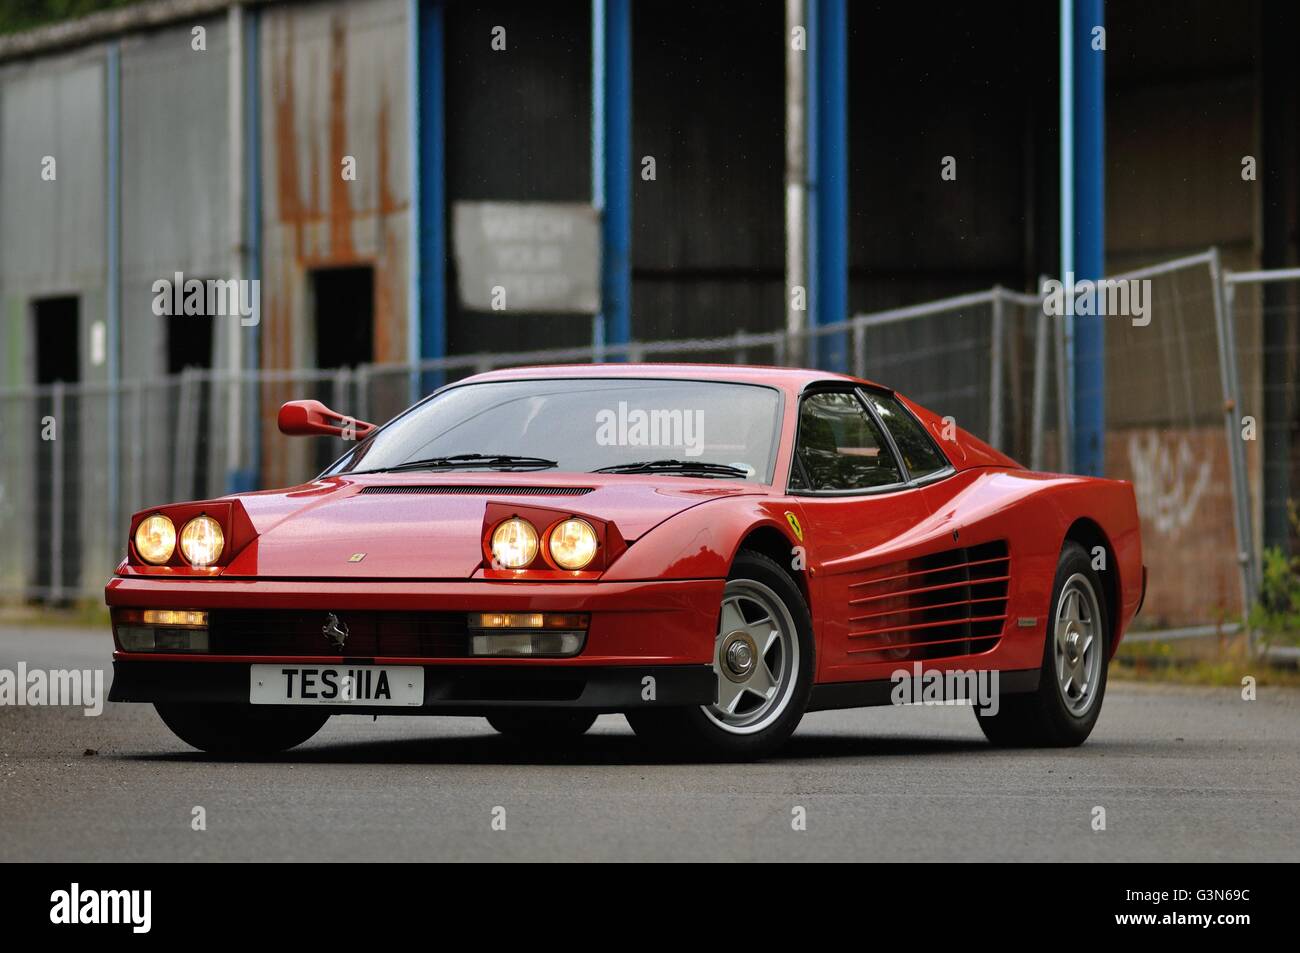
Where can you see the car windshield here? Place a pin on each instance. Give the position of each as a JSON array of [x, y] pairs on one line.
[[673, 427]]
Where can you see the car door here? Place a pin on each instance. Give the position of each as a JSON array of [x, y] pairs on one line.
[[898, 582], [857, 501]]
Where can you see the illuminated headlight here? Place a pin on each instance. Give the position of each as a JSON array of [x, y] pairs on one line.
[[525, 634], [514, 543], [155, 539], [573, 544], [202, 541]]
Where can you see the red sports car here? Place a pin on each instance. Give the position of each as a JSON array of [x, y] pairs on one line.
[[710, 550]]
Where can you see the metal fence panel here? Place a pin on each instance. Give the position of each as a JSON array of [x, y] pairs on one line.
[[1264, 322], [991, 359], [1165, 433]]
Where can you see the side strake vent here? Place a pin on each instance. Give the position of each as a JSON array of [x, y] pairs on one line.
[[935, 606], [467, 489]]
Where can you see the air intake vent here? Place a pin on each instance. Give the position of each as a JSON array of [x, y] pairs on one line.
[[935, 606], [263, 632], [467, 489]]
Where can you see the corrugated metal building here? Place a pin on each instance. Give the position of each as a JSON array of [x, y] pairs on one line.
[[226, 162]]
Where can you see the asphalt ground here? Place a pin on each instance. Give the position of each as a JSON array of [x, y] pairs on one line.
[[1185, 774]]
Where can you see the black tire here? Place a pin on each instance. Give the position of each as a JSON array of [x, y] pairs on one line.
[[241, 729], [1041, 719], [691, 732], [542, 724]]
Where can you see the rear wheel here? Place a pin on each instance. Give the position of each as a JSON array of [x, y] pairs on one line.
[[1072, 679], [763, 656], [241, 729], [542, 724]]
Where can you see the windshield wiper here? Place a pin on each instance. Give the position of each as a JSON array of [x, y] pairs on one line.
[[504, 460], [694, 467]]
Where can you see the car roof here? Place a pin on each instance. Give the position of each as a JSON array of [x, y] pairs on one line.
[[793, 379]]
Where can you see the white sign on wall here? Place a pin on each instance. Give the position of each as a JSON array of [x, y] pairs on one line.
[[527, 256]]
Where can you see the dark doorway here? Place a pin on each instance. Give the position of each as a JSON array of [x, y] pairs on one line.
[[189, 342], [343, 302], [189, 350], [57, 327]]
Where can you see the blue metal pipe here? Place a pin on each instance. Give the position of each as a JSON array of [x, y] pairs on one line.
[[828, 245], [611, 163], [429, 188], [1089, 206]]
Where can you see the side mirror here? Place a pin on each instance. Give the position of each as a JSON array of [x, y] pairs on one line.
[[311, 418]]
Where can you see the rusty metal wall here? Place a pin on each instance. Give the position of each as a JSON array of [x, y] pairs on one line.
[[333, 84]]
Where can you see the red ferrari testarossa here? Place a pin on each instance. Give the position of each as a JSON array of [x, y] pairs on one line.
[[710, 550]]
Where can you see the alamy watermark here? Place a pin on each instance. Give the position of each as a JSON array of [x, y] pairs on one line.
[[73, 687], [978, 687], [651, 428], [1107, 297], [215, 297], [98, 907]]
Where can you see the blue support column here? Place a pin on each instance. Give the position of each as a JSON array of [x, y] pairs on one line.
[[1087, 199], [428, 190], [611, 164], [828, 160]]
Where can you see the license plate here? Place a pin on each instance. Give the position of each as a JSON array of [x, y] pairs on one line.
[[356, 685]]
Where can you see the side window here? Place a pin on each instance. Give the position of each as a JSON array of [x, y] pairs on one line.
[[920, 455], [841, 447]]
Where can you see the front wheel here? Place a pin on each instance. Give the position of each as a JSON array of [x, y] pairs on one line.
[[1072, 679], [763, 656], [241, 729]]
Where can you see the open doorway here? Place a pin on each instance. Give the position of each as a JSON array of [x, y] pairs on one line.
[[343, 302], [189, 350], [57, 332]]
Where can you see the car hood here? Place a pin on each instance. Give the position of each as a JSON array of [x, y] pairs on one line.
[[429, 525]]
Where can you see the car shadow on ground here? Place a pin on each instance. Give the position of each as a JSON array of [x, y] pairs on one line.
[[590, 750]]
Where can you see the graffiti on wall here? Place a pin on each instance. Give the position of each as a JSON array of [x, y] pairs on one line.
[[1169, 479]]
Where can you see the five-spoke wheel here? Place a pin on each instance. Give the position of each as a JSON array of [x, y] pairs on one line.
[[756, 657], [763, 657]]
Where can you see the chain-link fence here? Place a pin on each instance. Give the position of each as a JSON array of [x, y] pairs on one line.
[[1164, 431], [992, 360], [1263, 309]]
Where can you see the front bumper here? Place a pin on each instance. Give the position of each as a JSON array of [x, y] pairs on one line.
[[656, 622], [448, 689], [663, 629]]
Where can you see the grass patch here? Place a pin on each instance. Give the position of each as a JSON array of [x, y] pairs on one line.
[[1216, 662], [85, 614]]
